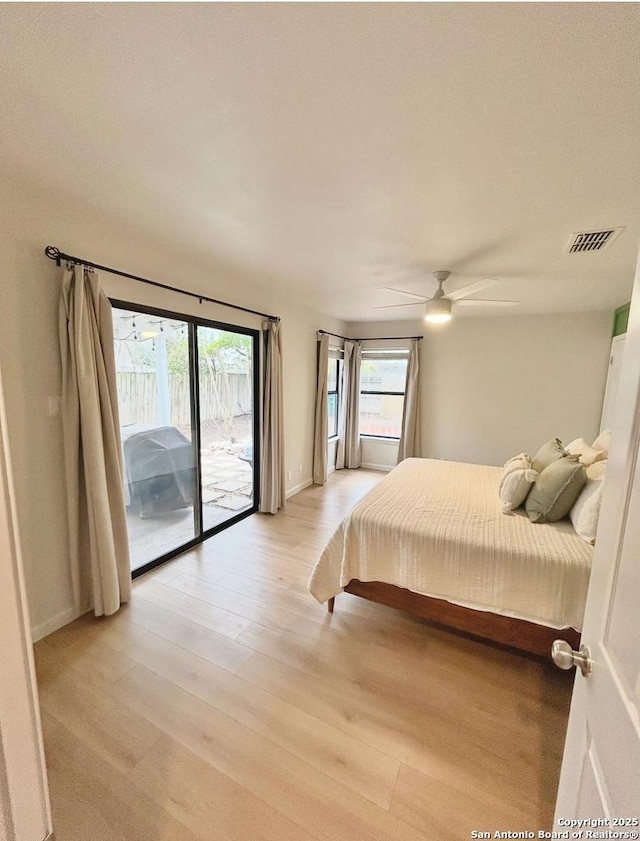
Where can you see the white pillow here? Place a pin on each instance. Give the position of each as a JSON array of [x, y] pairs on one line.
[[603, 442], [517, 479], [516, 461], [586, 510], [586, 455], [520, 462], [597, 470]]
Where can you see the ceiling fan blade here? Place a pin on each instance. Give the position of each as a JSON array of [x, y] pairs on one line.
[[393, 306], [402, 292], [486, 303], [471, 288]]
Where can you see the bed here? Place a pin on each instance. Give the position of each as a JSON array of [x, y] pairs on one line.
[[431, 539]]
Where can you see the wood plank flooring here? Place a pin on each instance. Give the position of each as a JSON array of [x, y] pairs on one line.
[[225, 703]]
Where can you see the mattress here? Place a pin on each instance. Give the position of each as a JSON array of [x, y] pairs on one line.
[[436, 528]]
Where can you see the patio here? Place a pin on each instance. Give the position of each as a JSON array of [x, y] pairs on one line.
[[227, 482]]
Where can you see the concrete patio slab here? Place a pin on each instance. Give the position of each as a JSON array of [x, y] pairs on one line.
[[234, 502], [229, 485], [211, 494]]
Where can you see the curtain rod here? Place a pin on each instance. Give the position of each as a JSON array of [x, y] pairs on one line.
[[369, 338], [54, 253]]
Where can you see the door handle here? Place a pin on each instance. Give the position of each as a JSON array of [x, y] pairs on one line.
[[565, 657]]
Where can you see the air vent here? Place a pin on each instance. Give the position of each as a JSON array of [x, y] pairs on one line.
[[592, 240]]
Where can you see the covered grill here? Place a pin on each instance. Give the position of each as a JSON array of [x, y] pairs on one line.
[[159, 468]]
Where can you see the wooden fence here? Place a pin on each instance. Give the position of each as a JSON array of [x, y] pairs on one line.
[[222, 397]]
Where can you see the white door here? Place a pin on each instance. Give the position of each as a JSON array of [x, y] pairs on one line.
[[600, 777], [24, 801]]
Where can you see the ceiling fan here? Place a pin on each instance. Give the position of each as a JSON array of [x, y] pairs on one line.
[[438, 308]]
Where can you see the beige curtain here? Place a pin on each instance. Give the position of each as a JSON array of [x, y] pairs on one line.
[[272, 494], [321, 420], [348, 450], [99, 548], [409, 446]]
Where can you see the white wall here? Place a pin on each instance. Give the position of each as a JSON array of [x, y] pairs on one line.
[[30, 219], [379, 453], [495, 386]]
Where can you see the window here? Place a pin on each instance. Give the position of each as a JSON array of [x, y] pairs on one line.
[[333, 393], [382, 385]]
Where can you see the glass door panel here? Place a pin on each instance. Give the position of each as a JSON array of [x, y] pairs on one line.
[[226, 407], [157, 429]]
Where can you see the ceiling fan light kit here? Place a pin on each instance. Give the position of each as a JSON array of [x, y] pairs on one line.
[[437, 311]]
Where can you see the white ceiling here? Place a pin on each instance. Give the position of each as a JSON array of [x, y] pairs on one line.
[[333, 149]]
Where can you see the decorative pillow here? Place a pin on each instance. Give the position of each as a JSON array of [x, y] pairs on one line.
[[584, 514], [517, 459], [548, 453], [515, 487], [597, 470], [603, 442], [586, 454], [555, 490], [519, 462]]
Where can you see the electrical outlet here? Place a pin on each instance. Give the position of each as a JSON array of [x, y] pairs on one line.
[[299, 471], [289, 475]]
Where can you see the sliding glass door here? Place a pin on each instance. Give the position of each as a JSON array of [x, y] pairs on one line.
[[226, 417], [187, 398]]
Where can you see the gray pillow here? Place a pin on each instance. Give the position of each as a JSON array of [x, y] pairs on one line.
[[548, 453], [555, 490]]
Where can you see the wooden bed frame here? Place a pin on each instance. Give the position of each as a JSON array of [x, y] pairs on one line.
[[515, 633]]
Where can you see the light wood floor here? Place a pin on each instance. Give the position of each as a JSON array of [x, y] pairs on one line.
[[224, 703]]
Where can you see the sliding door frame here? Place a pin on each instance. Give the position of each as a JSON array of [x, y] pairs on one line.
[[193, 322]]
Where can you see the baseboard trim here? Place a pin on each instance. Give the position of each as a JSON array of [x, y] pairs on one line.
[[43, 629], [384, 467], [296, 490]]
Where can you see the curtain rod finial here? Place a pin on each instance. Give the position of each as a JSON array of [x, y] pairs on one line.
[[53, 253]]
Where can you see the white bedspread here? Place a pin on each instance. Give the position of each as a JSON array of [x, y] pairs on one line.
[[435, 527]]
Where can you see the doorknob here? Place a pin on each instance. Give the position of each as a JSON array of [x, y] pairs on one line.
[[565, 657]]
